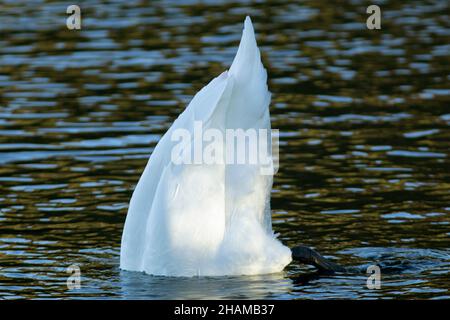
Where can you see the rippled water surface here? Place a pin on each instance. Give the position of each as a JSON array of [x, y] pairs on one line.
[[364, 118]]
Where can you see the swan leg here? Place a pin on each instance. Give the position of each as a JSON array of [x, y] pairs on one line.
[[309, 256]]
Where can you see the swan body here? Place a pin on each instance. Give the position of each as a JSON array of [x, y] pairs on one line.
[[208, 219]]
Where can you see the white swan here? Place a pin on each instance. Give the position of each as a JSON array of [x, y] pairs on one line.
[[208, 220]]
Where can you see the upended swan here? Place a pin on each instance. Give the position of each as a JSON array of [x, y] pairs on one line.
[[197, 219]]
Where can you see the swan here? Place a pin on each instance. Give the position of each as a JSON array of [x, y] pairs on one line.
[[197, 219], [208, 219]]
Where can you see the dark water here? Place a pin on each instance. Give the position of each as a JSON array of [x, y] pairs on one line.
[[364, 118]]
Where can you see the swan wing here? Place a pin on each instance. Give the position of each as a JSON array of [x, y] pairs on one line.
[[193, 218]]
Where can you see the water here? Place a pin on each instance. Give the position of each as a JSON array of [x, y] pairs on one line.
[[364, 119]]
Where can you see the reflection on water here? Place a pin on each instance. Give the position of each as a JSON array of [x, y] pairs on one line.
[[363, 117], [137, 285]]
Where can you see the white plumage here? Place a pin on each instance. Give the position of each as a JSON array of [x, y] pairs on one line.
[[208, 219]]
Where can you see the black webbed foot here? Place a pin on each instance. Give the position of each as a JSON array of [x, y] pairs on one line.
[[309, 256]]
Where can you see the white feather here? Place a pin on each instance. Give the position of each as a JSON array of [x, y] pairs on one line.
[[198, 219]]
